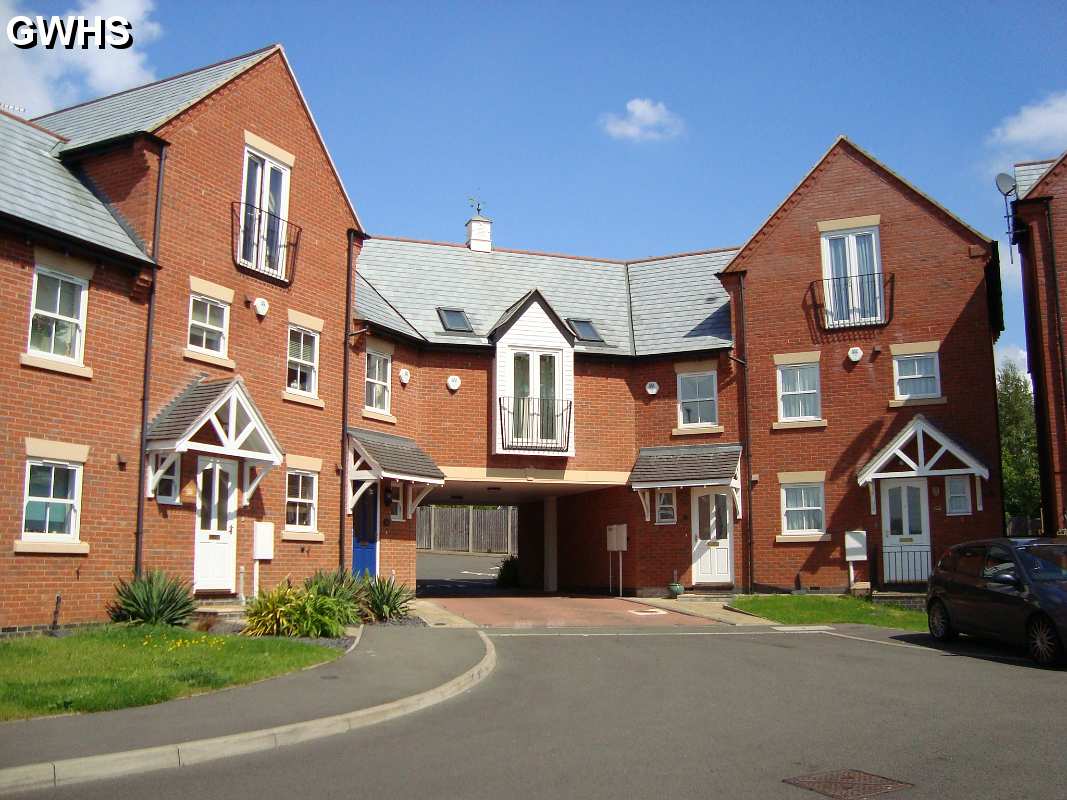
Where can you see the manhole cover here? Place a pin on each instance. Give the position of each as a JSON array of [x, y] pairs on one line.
[[847, 784], [648, 612]]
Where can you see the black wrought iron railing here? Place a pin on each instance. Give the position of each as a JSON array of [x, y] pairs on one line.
[[264, 242], [854, 301], [533, 423], [911, 566]]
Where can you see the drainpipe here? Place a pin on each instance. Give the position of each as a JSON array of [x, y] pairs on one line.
[[1047, 202], [146, 379], [746, 439], [343, 504]]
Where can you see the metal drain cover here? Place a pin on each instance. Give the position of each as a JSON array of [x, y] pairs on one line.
[[847, 784]]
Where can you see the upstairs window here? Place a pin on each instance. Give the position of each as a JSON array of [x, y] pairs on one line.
[[264, 206], [208, 323], [455, 319], [798, 392], [585, 330], [698, 402], [379, 367], [852, 272], [917, 376], [57, 321], [303, 365]]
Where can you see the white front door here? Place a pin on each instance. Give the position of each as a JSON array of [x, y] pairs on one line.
[[712, 532], [215, 558], [905, 530], [537, 381]]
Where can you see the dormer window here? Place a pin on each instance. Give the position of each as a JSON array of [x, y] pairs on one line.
[[585, 330], [455, 319]]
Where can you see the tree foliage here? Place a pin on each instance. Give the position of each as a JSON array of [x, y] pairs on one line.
[[1018, 441]]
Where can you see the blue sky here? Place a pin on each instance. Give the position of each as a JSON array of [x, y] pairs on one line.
[[618, 130]]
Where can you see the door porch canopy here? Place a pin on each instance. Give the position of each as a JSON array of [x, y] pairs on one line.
[[697, 465], [214, 417], [376, 456], [922, 450]]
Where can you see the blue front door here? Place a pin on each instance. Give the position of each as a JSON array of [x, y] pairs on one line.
[[365, 533]]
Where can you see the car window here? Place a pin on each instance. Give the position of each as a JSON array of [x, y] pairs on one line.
[[997, 561], [1045, 562], [969, 560], [948, 562]]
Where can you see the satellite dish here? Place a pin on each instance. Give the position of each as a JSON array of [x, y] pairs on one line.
[[1005, 184]]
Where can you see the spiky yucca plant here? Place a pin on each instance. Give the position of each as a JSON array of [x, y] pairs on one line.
[[152, 599], [268, 613], [344, 587], [388, 599]]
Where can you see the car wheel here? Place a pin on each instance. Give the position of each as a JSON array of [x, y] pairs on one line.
[[939, 623], [1043, 641]]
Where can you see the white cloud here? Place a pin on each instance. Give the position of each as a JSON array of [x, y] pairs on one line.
[[40, 80], [645, 120], [1041, 126], [1005, 353]]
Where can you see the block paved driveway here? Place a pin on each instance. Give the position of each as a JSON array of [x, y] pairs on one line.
[[705, 713], [563, 611]]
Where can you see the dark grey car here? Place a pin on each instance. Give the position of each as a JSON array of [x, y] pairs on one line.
[[1014, 590]]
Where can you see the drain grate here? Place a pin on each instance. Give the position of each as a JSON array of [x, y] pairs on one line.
[[847, 784]]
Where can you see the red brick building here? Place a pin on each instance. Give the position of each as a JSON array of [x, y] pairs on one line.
[[1040, 231], [182, 275]]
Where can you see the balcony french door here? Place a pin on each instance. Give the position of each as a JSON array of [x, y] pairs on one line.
[[854, 293], [264, 205], [537, 384]]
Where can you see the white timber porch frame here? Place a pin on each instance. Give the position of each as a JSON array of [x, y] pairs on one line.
[[644, 488], [364, 470], [254, 442], [924, 465]]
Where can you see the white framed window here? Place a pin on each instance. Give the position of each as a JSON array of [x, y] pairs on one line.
[[852, 269], [666, 506], [799, 393], [57, 318], [698, 398], [803, 509], [52, 501], [379, 381], [264, 207], [209, 322], [302, 373], [301, 500], [396, 503], [957, 495], [917, 376], [169, 483]]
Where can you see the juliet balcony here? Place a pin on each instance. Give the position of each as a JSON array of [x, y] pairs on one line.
[[264, 243], [854, 301], [535, 425]]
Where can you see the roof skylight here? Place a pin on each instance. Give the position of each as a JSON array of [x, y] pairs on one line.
[[455, 319], [585, 330]]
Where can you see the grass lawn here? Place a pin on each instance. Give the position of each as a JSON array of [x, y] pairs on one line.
[[814, 609], [117, 666]]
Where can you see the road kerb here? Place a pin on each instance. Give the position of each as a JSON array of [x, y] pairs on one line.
[[47, 775]]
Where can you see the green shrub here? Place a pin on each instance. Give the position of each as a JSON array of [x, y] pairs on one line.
[[268, 613], [343, 586], [388, 599], [152, 599], [314, 615], [508, 575]]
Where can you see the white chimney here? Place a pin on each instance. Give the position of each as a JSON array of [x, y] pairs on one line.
[[480, 234]]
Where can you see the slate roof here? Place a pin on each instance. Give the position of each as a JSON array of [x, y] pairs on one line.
[[666, 305], [1028, 173], [174, 419], [36, 187], [397, 454], [144, 108], [697, 462]]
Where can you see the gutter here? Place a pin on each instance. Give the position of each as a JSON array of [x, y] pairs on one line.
[[146, 380]]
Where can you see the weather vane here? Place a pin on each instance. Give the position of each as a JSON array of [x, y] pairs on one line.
[[476, 204]]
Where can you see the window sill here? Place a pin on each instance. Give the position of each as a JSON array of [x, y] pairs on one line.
[[305, 399], [794, 424], [696, 430], [54, 365], [919, 401], [802, 538], [52, 548], [381, 416], [671, 522], [207, 358], [303, 536]]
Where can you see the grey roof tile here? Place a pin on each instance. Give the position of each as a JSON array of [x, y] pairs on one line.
[[677, 302], [397, 454], [144, 108], [1027, 174], [36, 187], [174, 419], [697, 462], [374, 308]]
